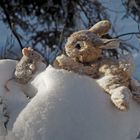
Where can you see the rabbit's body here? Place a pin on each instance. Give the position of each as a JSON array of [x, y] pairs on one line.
[[83, 56]]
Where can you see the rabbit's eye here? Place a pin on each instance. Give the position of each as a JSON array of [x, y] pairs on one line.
[[78, 46], [31, 53]]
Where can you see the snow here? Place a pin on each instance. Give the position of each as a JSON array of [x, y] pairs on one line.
[[67, 106]]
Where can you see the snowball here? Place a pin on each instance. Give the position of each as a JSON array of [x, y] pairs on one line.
[[73, 107]]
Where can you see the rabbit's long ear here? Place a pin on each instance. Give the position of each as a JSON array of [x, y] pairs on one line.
[[101, 27], [110, 44], [25, 51]]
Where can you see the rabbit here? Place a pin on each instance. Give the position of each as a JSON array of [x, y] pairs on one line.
[[84, 56], [26, 67]]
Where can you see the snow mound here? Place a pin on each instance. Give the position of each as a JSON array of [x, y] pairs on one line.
[[65, 106], [73, 107]]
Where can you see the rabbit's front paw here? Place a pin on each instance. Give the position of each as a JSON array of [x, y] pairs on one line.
[[63, 60], [120, 104], [120, 97]]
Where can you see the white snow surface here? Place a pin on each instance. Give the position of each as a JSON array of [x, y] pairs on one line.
[[67, 106]]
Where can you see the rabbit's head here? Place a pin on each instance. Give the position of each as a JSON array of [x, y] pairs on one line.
[[31, 54], [86, 45]]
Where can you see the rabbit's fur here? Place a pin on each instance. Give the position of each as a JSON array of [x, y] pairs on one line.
[[84, 56]]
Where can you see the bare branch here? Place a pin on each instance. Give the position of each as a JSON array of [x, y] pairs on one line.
[[10, 23], [125, 34]]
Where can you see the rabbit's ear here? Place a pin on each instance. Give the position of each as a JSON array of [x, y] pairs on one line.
[[110, 44], [101, 27], [25, 52]]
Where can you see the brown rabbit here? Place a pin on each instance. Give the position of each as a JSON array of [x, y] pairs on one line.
[[84, 56]]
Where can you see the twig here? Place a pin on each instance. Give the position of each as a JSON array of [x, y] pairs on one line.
[[10, 25], [131, 33]]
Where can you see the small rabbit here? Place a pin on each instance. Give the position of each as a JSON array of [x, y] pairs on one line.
[[84, 56], [26, 67]]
